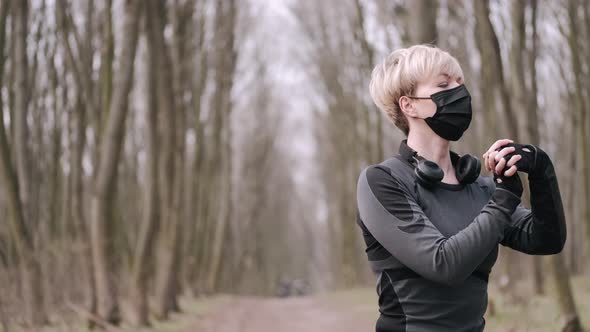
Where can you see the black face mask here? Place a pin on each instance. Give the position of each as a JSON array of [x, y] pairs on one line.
[[453, 112]]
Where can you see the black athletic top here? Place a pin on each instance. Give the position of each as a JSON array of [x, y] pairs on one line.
[[432, 250]]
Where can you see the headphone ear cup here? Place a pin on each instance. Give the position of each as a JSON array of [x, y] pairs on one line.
[[468, 168], [428, 173]]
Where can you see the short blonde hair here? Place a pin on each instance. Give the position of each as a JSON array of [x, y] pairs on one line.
[[401, 71]]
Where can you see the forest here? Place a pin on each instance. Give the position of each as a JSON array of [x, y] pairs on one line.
[[160, 155]]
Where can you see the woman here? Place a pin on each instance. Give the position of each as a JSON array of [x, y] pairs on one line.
[[430, 222]]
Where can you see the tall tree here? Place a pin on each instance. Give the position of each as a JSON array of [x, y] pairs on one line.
[[81, 69], [224, 67], [172, 133], [494, 84], [425, 12], [150, 222], [565, 297], [575, 48], [106, 173], [14, 174], [194, 247], [492, 73], [372, 117], [522, 96]]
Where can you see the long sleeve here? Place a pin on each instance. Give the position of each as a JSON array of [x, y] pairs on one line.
[[540, 230], [398, 223]]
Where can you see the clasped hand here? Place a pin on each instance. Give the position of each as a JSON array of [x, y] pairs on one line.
[[504, 154]]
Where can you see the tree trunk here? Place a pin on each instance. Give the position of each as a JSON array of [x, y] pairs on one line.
[[523, 99], [425, 12], [493, 82], [21, 105], [373, 118], [575, 47], [77, 206], [165, 301], [107, 58], [564, 295], [194, 242], [532, 127], [225, 20], [106, 173], [16, 176], [182, 19], [492, 75], [150, 224], [82, 72]]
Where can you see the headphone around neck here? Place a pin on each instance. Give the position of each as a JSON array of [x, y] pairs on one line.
[[429, 174]]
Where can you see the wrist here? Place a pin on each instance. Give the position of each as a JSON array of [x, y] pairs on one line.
[[510, 183], [506, 199]]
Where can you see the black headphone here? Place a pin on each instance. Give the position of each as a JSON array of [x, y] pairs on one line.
[[429, 174]]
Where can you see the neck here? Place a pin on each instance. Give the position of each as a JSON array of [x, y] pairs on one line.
[[435, 149]]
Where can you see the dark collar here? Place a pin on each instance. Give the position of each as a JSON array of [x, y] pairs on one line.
[[408, 154]]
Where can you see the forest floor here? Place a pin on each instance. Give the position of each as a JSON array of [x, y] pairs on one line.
[[342, 311]]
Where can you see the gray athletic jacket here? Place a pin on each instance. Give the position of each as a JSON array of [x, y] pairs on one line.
[[432, 250]]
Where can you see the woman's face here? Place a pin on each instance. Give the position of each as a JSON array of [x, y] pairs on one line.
[[426, 107]]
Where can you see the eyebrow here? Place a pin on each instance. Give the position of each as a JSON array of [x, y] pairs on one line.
[[436, 80]]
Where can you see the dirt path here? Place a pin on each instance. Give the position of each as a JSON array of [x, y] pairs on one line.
[[310, 314]]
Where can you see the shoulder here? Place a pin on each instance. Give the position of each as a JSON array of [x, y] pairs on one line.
[[390, 171]]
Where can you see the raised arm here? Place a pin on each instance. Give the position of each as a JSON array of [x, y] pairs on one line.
[[540, 230], [397, 222]]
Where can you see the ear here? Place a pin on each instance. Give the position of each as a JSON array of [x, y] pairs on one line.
[[407, 106]]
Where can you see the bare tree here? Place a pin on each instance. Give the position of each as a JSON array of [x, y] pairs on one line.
[[224, 64], [106, 176], [149, 227], [14, 174], [82, 73], [492, 74], [423, 11], [524, 98], [564, 296], [493, 84], [581, 104], [196, 191]]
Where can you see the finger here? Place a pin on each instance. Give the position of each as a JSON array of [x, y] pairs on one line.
[[511, 171], [513, 160], [491, 161], [499, 143], [496, 145], [488, 161], [504, 152], [500, 166]]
